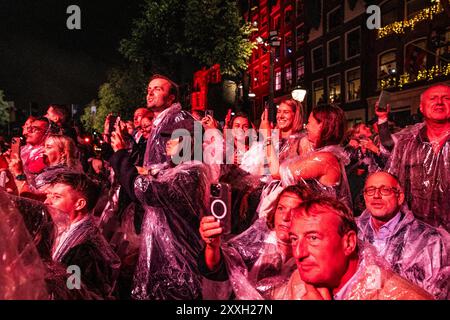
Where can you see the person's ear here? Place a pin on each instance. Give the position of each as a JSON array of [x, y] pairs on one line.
[[80, 204], [171, 98], [401, 197], [350, 240]]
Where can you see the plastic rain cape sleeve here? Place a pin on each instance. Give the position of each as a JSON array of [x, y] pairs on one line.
[[22, 273], [416, 251], [155, 151], [341, 191], [254, 264], [173, 202], [424, 175]]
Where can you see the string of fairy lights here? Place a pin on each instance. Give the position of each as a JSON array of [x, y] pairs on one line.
[[400, 27], [425, 74]]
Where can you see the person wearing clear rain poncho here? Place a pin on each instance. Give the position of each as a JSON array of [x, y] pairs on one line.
[[321, 169], [250, 265], [333, 265], [79, 242], [173, 195], [22, 273], [421, 157], [413, 249]]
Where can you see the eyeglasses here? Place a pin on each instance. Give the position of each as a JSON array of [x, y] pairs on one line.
[[384, 191]]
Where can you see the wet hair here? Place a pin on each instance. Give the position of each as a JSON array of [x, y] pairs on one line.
[[173, 90], [333, 123], [323, 204], [303, 192], [297, 108], [81, 184], [68, 149]]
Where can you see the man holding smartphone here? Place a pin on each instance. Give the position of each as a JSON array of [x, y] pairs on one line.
[[420, 157]]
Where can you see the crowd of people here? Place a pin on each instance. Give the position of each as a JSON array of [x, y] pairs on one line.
[[319, 211]]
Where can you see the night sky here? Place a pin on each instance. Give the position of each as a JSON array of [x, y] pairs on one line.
[[42, 61]]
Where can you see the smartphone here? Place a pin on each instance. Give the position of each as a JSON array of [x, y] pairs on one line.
[[383, 100], [112, 123], [209, 112], [15, 145], [220, 205]]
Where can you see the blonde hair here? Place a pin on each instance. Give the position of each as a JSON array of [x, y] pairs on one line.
[[69, 152], [297, 108]]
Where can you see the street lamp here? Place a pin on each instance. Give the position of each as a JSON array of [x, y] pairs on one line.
[[298, 93]]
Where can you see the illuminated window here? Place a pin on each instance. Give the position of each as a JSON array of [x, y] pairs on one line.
[[387, 62], [415, 56], [318, 93], [300, 69], [353, 85], [277, 80], [288, 44], [288, 76], [334, 89]]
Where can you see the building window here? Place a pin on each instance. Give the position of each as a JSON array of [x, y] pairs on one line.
[[416, 56], [318, 93], [288, 44], [334, 51], [288, 16], [334, 89], [353, 85], [265, 73], [387, 62], [299, 8], [442, 45], [300, 37], [288, 76], [412, 7], [276, 23], [264, 18], [278, 80], [317, 58], [334, 18], [353, 43], [300, 69], [256, 78]]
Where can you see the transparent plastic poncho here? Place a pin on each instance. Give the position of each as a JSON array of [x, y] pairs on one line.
[[174, 200], [254, 160], [340, 191], [254, 263], [423, 174], [373, 280], [22, 273], [155, 151], [416, 251]]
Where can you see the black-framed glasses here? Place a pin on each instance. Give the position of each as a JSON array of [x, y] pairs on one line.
[[384, 191]]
